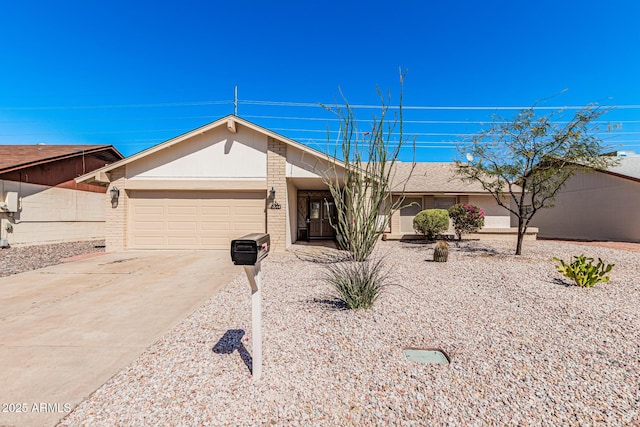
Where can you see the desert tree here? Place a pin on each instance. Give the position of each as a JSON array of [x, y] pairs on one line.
[[525, 161], [361, 186]]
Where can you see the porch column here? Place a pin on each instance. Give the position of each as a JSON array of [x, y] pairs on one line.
[[276, 179]]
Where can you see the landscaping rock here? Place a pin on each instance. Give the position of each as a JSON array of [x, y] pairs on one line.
[[526, 348], [18, 259]]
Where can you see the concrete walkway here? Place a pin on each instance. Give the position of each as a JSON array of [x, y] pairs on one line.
[[66, 329]]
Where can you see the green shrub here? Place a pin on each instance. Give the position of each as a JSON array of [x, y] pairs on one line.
[[431, 222], [583, 272], [466, 218], [357, 284]]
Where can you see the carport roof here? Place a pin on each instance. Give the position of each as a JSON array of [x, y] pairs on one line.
[[230, 121]]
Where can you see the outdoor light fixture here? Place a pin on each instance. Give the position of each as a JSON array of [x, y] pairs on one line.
[[115, 193], [272, 197]]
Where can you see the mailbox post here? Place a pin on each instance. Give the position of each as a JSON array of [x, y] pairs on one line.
[[249, 251]]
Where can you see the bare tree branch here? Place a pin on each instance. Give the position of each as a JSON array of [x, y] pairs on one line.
[[536, 155]]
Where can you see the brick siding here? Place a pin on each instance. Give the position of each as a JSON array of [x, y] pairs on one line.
[[276, 179]]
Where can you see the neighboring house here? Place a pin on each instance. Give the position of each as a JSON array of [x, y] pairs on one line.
[[214, 184], [436, 185], [596, 205], [40, 202]]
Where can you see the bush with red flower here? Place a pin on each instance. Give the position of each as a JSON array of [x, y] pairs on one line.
[[466, 218]]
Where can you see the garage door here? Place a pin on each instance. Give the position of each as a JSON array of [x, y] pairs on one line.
[[193, 219]]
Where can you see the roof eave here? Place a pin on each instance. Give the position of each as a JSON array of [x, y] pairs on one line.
[[60, 157], [236, 120]]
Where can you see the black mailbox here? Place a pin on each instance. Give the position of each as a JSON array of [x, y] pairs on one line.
[[250, 249]]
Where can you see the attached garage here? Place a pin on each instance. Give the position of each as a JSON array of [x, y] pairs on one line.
[[204, 188], [193, 219]]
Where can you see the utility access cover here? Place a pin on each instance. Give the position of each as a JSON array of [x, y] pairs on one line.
[[427, 355]]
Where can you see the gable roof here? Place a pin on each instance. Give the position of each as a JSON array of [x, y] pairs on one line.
[[431, 177], [230, 121], [15, 157]]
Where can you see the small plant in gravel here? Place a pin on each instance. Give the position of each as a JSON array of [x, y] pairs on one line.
[[466, 218], [431, 222], [583, 271], [441, 251], [357, 284]]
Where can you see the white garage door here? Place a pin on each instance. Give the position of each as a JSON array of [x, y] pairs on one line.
[[193, 219]]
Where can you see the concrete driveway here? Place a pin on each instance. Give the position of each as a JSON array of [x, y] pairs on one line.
[[66, 329]]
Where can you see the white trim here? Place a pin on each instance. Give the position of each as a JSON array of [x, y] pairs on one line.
[[220, 122], [194, 184]]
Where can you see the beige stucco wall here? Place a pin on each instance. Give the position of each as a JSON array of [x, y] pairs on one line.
[[301, 164], [116, 213], [215, 154], [593, 206], [50, 214], [496, 217]]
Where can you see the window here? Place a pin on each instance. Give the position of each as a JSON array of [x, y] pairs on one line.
[[444, 202], [329, 211], [315, 210], [408, 213]]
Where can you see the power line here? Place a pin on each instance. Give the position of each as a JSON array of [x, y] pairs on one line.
[[314, 105], [409, 143], [430, 122], [110, 119], [107, 132], [431, 107], [109, 106], [209, 117], [407, 134], [299, 125], [410, 134]]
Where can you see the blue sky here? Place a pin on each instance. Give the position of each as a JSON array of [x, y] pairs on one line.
[[135, 74]]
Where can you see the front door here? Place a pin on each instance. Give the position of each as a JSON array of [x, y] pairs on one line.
[[321, 212]]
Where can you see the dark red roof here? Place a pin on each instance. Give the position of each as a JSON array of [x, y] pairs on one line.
[[13, 157]]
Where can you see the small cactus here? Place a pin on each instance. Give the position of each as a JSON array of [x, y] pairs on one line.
[[441, 251]]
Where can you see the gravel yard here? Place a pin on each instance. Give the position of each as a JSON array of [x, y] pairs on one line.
[[526, 348], [18, 259]]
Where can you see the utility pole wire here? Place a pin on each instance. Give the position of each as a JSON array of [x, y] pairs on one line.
[[236, 101], [431, 107], [111, 106]]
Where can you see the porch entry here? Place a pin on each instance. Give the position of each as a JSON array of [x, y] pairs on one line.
[[316, 211]]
